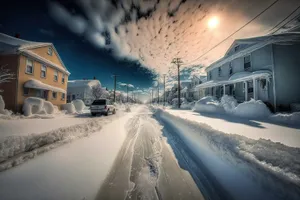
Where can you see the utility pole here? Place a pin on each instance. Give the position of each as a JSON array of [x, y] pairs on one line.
[[115, 86], [152, 96], [127, 92], [178, 62], [164, 89]]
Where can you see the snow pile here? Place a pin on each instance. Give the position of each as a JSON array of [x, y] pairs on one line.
[[79, 105], [183, 103], [3, 111], [70, 108], [208, 104], [34, 105], [15, 150], [127, 108], [229, 103], [252, 109], [293, 118]]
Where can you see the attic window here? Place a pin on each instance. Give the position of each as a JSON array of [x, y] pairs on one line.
[[236, 48], [50, 51]]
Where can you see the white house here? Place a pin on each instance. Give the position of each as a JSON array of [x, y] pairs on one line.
[[264, 68], [81, 89]]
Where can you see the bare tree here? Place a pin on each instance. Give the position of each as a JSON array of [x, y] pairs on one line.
[[5, 75], [97, 92]]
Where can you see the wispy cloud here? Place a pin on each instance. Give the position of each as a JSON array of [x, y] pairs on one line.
[[47, 32], [125, 84], [154, 32]]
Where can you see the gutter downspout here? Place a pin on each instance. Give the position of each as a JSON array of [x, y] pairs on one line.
[[17, 83], [274, 84]]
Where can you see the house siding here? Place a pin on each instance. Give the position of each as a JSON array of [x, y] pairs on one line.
[[287, 71], [9, 93], [49, 79]]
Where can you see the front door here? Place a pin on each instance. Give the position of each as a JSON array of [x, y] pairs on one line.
[[262, 89]]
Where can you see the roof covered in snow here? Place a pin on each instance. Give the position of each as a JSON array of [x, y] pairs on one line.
[[13, 45], [254, 44], [83, 83], [36, 84]]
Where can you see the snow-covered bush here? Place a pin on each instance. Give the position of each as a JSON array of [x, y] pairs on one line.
[[183, 102], [293, 118], [229, 103], [252, 109], [79, 105], [3, 111], [70, 108], [33, 105], [208, 105]]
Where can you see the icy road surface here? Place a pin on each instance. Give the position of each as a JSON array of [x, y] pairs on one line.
[[146, 167]]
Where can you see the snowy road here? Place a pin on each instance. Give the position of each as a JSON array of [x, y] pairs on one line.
[[146, 167]]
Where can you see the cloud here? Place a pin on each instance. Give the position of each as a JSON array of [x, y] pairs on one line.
[[47, 32], [154, 32], [125, 84]]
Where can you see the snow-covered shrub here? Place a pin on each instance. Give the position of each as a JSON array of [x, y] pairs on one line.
[[127, 108], [3, 111], [70, 108], [183, 102], [293, 118], [229, 103], [33, 105], [252, 109], [48, 107], [208, 105], [79, 105]]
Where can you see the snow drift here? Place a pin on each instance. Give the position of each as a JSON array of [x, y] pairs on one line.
[[15, 150], [293, 118], [70, 108], [34, 105], [208, 104], [79, 105], [252, 109], [3, 111]]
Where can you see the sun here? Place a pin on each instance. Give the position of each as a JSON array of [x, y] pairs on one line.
[[213, 22]]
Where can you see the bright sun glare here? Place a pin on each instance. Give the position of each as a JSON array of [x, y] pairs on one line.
[[213, 22]]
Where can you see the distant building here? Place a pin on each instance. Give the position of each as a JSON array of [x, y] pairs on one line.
[[264, 68], [81, 89], [39, 72]]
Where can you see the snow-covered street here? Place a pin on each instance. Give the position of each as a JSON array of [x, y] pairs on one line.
[[152, 153]]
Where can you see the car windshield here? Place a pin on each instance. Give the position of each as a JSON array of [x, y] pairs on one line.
[[99, 102]]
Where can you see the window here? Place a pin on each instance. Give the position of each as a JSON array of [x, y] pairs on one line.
[[63, 96], [263, 84], [25, 91], [43, 71], [210, 76], [230, 69], [29, 66], [63, 78], [236, 48], [219, 71], [55, 75], [54, 95], [247, 63], [50, 51]]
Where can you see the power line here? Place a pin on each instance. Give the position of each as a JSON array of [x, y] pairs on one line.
[[284, 20], [234, 32], [287, 22]]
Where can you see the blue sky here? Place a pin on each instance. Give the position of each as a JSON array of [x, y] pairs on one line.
[[33, 22]]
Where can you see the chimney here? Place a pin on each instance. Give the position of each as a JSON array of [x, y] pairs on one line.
[[17, 35], [94, 77]]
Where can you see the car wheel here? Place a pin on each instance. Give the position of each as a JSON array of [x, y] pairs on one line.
[[106, 114], [114, 111], [93, 114]]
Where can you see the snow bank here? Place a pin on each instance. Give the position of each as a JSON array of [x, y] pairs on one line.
[[208, 104], [15, 150], [3, 111], [127, 108], [252, 109], [70, 108], [79, 105], [293, 118], [34, 105], [229, 103]]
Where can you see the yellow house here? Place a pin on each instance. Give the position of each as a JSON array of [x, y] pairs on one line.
[[39, 72]]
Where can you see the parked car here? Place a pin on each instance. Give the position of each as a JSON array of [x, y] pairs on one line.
[[102, 106]]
